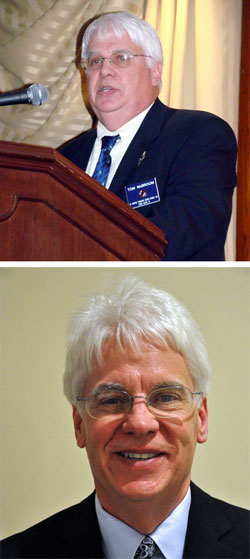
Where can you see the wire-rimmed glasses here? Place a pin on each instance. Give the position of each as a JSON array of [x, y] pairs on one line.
[[120, 59], [167, 401]]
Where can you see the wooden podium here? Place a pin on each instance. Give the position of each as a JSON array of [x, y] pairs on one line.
[[51, 210]]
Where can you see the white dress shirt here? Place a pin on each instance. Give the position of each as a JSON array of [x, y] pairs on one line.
[[127, 132], [120, 541]]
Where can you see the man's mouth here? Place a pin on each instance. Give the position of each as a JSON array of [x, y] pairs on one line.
[[106, 88], [140, 456]]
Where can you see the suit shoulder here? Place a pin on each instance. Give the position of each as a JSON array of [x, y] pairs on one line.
[[195, 119], [50, 535], [76, 142], [233, 512], [236, 516], [198, 129], [216, 528], [198, 493]]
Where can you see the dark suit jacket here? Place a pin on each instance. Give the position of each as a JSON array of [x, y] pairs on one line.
[[192, 154], [215, 530]]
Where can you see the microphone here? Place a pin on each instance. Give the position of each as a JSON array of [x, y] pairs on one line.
[[36, 94]]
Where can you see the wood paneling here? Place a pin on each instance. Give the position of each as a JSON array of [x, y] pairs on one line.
[[51, 210], [243, 190]]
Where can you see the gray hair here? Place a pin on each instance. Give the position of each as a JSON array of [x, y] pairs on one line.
[[139, 31], [130, 312]]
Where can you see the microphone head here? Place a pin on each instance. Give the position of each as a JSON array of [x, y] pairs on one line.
[[38, 94]]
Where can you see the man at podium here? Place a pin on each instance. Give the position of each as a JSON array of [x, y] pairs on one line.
[[176, 167]]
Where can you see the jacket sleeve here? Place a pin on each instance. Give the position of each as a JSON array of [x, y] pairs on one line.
[[196, 195]]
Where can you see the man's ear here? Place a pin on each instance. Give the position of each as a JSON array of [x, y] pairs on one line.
[[202, 422], [156, 72], [79, 428]]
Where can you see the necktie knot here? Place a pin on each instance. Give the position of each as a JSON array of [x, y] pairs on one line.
[[104, 162], [109, 141], [147, 548]]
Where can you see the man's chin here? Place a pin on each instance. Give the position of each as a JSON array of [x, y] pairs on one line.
[[107, 106], [137, 492]]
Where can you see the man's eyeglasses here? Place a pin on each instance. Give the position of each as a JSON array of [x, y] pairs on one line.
[[175, 400], [120, 59]]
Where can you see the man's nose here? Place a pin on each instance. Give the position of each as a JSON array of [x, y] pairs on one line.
[[107, 67], [140, 421]]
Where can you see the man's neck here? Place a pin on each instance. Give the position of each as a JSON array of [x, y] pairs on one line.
[[128, 126], [115, 120], [144, 515]]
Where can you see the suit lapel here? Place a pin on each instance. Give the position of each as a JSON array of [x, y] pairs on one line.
[[206, 526], [81, 533], [88, 146]]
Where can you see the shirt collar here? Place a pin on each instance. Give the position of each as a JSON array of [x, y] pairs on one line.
[[171, 533], [129, 126], [120, 540]]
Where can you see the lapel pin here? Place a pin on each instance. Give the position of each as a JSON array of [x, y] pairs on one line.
[[141, 158]]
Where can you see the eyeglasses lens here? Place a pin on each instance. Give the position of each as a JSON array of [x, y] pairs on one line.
[[119, 59], [162, 402]]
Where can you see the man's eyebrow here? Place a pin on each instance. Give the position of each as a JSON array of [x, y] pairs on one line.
[[165, 385], [109, 386], [116, 51], [118, 386]]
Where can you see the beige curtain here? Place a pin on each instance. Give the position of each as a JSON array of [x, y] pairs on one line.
[[201, 43], [38, 41]]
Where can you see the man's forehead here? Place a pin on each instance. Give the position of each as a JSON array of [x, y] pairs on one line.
[[115, 356], [135, 348], [110, 40]]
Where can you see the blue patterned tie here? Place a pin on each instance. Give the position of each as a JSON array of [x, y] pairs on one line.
[[147, 548], [104, 162]]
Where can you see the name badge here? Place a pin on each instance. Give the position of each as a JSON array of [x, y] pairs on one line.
[[142, 193]]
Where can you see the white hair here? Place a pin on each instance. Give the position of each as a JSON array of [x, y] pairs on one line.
[[139, 31], [131, 312]]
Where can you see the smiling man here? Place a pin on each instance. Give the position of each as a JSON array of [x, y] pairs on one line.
[[185, 158], [141, 454], [137, 377]]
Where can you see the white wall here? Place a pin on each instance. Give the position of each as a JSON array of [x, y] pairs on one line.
[[43, 470]]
